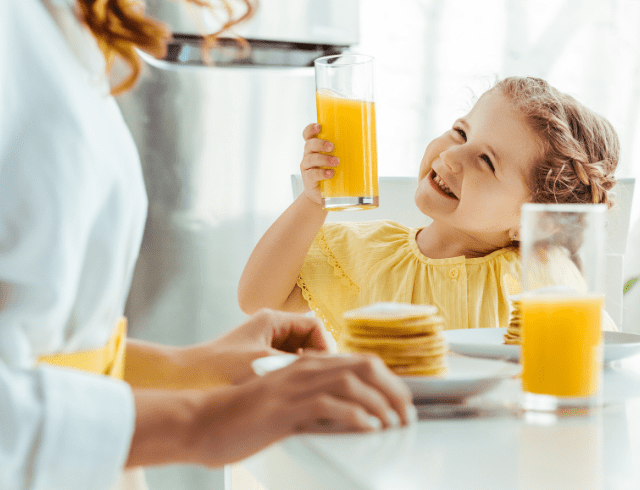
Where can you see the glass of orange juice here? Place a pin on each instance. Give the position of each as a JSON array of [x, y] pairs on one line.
[[562, 248], [346, 113]]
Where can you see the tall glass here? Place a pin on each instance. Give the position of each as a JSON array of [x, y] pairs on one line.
[[562, 256], [346, 112]]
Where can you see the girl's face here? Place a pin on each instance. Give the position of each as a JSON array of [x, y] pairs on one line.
[[473, 177]]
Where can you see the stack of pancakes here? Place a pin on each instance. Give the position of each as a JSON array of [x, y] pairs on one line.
[[514, 330], [407, 337]]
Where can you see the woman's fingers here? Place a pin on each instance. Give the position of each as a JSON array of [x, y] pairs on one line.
[[374, 371], [362, 379], [326, 413], [350, 387], [291, 331]]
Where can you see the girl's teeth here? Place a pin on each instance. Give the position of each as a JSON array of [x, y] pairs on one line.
[[441, 184]]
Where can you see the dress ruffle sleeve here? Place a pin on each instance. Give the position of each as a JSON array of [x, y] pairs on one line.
[[324, 280], [350, 265]]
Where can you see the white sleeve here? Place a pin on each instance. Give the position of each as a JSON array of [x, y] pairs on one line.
[[53, 429], [59, 428]]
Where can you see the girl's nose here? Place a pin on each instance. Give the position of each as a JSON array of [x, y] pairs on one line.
[[451, 158]]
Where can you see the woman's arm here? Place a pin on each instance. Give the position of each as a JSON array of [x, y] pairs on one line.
[[152, 365], [226, 359], [314, 394], [270, 276]]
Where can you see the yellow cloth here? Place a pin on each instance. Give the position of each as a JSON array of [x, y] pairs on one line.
[[350, 265], [107, 360]]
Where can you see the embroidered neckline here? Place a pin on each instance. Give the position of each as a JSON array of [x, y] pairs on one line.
[[461, 259]]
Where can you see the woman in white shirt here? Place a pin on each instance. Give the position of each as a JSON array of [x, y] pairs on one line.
[[72, 211]]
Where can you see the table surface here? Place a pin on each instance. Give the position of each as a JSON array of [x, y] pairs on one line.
[[487, 443]]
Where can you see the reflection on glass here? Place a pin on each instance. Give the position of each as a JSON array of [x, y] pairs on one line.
[[567, 455]]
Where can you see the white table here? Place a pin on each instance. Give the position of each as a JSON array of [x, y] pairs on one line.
[[492, 446]]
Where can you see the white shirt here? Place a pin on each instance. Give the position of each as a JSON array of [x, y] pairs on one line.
[[72, 212]]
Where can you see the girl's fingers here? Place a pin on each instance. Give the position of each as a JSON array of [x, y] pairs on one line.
[[315, 175], [315, 145], [316, 160], [311, 130]]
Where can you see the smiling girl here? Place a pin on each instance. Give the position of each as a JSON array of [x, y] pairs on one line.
[[523, 141]]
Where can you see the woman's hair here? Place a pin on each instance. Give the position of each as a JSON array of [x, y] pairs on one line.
[[581, 148], [120, 26], [580, 152]]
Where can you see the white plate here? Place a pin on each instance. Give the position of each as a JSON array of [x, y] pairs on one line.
[[489, 343], [465, 377], [620, 345], [482, 342], [263, 365]]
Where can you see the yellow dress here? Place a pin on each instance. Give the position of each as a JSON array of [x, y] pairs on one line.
[[350, 265]]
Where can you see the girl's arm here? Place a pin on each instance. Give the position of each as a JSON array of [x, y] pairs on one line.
[[270, 276]]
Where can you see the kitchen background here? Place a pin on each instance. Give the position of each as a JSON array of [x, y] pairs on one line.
[[218, 144]]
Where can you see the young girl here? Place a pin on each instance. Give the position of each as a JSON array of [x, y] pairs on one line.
[[523, 141]]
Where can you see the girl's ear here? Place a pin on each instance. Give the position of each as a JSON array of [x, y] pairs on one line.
[[514, 234]]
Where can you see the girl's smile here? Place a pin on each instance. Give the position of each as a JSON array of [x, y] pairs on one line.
[[440, 186]]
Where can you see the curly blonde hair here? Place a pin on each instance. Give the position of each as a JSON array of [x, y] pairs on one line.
[[581, 148], [120, 26]]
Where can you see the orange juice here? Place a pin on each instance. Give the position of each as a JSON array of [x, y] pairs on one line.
[[561, 345], [350, 125]]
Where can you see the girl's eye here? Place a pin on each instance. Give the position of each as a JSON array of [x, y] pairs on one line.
[[488, 160], [461, 133]]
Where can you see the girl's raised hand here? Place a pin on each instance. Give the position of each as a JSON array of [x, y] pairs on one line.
[[316, 166]]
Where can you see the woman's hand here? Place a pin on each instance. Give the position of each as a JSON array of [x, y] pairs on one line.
[[287, 332], [313, 167], [317, 393], [267, 332]]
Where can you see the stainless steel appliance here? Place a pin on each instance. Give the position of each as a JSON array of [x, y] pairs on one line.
[[218, 143]]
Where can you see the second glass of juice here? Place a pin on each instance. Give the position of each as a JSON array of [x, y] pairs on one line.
[[346, 113], [562, 249]]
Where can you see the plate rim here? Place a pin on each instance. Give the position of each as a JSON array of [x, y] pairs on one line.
[[611, 351], [434, 388]]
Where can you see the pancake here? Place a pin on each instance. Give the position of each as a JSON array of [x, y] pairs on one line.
[[407, 337], [513, 336]]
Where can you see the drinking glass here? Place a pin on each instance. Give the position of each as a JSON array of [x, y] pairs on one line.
[[346, 113], [562, 249]]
